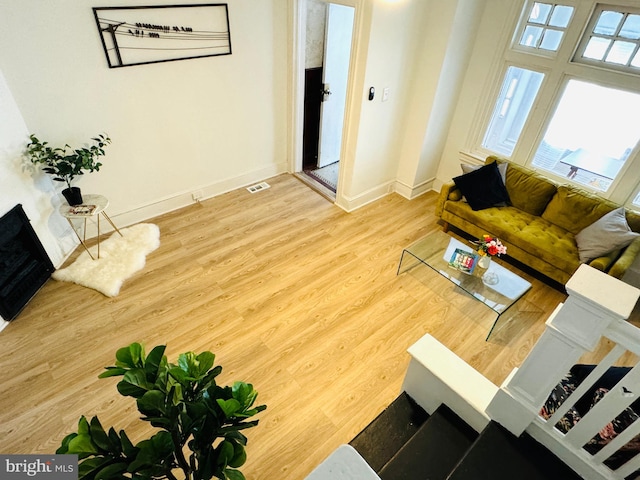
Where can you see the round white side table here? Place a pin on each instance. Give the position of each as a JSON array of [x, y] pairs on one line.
[[92, 206]]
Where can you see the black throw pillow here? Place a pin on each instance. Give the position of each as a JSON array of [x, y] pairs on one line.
[[483, 188]]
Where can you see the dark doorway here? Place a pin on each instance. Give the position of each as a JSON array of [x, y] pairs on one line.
[[311, 127]]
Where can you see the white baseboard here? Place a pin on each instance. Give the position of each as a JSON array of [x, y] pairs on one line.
[[410, 192], [165, 205], [349, 204]]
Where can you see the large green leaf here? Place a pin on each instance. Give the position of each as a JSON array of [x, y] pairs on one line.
[[131, 356], [133, 384], [152, 403], [229, 407], [181, 376], [209, 379], [225, 453], [234, 474], [115, 470], [127, 447], [64, 446], [83, 426], [112, 372], [226, 430], [88, 468], [239, 456], [244, 393], [205, 362], [153, 362], [196, 366], [156, 451], [82, 445], [99, 436], [115, 441]]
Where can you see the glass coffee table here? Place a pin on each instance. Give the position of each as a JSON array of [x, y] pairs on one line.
[[435, 251]]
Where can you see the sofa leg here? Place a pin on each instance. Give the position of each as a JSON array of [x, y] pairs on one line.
[[445, 227]]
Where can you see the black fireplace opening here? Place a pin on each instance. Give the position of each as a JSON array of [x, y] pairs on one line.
[[24, 263]]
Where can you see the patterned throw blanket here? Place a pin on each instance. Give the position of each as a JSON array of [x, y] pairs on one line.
[[610, 431]]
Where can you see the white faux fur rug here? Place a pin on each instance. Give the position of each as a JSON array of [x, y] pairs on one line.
[[120, 257]]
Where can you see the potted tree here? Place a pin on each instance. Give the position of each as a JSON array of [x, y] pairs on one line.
[[66, 163], [200, 423]]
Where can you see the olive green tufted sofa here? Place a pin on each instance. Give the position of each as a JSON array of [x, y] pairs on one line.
[[540, 223]]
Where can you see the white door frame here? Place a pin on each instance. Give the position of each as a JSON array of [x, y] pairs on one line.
[[359, 44]]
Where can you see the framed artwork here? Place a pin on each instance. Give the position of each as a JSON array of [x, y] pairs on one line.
[[141, 35]]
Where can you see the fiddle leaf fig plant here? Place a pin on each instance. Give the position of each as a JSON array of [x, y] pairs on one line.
[[65, 163], [199, 423]]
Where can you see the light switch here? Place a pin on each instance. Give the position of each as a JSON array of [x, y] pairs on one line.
[[385, 94]]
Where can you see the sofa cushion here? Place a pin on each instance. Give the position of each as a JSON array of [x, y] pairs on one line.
[[547, 242], [550, 243], [610, 232], [574, 209], [528, 190], [633, 219], [483, 188]]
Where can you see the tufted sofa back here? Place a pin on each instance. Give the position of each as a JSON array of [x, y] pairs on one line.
[[566, 206]]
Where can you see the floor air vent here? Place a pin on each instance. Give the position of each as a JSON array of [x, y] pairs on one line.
[[258, 187]]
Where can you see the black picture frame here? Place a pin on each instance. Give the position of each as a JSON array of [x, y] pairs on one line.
[[140, 35]]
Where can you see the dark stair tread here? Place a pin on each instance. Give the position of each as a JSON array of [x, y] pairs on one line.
[[389, 431], [499, 455], [433, 451]]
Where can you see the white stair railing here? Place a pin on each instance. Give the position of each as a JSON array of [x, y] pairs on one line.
[[598, 306]]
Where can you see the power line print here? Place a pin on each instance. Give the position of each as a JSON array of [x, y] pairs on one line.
[[139, 35]]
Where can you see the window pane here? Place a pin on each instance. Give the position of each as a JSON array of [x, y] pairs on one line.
[[531, 36], [518, 92], [608, 23], [631, 27], [596, 48], [539, 13], [551, 40], [590, 135], [620, 52], [561, 16], [636, 60]]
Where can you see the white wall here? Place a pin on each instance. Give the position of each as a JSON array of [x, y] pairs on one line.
[[19, 186], [420, 50], [388, 60], [208, 124], [495, 26], [458, 34]]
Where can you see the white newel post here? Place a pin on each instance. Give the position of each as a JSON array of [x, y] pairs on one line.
[[575, 327]]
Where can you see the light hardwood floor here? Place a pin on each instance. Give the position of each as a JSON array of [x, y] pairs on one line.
[[291, 293]]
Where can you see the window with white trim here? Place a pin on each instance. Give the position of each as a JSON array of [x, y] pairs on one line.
[[544, 26], [518, 92], [586, 95], [590, 135], [612, 39]]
